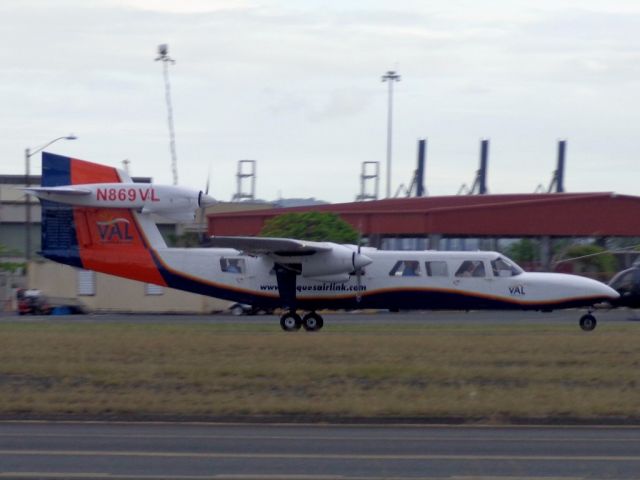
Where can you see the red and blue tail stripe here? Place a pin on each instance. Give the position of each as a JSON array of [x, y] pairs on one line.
[[107, 240]]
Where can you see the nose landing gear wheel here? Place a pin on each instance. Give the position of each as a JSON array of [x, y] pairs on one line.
[[290, 322], [588, 322], [312, 322]]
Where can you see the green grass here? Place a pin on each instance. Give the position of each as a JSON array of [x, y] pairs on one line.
[[487, 372]]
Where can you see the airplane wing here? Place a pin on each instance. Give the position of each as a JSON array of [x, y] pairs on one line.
[[264, 245], [65, 190]]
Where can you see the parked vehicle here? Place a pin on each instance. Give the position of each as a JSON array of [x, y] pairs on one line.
[[34, 302], [627, 284], [245, 309]]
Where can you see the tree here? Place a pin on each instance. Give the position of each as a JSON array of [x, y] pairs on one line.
[[523, 251], [315, 226]]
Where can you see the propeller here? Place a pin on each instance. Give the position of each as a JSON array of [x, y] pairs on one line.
[[204, 200], [359, 262]]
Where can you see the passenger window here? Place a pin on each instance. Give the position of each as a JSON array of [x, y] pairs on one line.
[[504, 268], [471, 268], [436, 269], [405, 268], [232, 265]]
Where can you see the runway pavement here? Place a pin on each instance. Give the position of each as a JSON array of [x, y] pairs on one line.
[[560, 317], [194, 451]]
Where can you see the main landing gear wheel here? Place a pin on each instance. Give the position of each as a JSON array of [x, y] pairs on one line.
[[588, 322], [312, 322], [290, 322]]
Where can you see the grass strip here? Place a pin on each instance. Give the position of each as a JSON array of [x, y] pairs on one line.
[[420, 371]]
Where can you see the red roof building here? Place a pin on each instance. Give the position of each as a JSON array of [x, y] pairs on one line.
[[514, 215]]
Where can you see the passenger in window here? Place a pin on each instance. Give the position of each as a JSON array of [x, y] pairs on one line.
[[234, 266], [230, 265], [471, 268], [478, 270], [466, 269], [411, 269]]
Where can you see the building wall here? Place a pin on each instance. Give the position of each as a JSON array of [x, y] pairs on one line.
[[12, 236], [114, 294]]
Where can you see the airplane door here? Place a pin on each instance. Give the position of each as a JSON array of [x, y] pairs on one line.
[[471, 278]]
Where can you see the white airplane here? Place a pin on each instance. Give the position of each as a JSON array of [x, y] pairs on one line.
[[95, 217]]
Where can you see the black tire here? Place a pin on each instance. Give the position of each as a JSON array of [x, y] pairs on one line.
[[588, 322], [290, 322], [312, 322]]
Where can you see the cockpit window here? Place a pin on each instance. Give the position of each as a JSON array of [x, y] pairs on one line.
[[405, 268], [471, 268], [232, 265], [503, 267]]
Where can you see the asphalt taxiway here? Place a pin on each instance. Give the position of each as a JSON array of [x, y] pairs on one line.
[[559, 317], [46, 450]]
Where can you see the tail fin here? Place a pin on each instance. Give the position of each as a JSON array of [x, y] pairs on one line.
[[109, 240]]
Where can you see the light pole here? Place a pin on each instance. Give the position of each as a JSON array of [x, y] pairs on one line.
[[163, 56], [27, 180], [390, 77]]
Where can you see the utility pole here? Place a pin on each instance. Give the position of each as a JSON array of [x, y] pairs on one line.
[[163, 56], [390, 77]]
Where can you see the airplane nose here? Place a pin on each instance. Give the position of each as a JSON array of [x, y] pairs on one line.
[[611, 293], [604, 290]]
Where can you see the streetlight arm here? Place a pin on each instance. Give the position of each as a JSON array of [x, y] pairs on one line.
[[27, 180], [66, 137]]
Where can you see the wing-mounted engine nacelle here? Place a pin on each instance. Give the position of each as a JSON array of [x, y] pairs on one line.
[[338, 262], [177, 203]]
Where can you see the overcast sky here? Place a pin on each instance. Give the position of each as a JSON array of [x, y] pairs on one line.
[[295, 85]]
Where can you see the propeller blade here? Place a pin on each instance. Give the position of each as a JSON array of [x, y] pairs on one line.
[[203, 200], [359, 261]]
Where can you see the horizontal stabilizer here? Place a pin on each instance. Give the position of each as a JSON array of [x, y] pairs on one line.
[[62, 190], [276, 246]]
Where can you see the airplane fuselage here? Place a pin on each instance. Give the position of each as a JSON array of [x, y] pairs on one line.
[[434, 284]]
